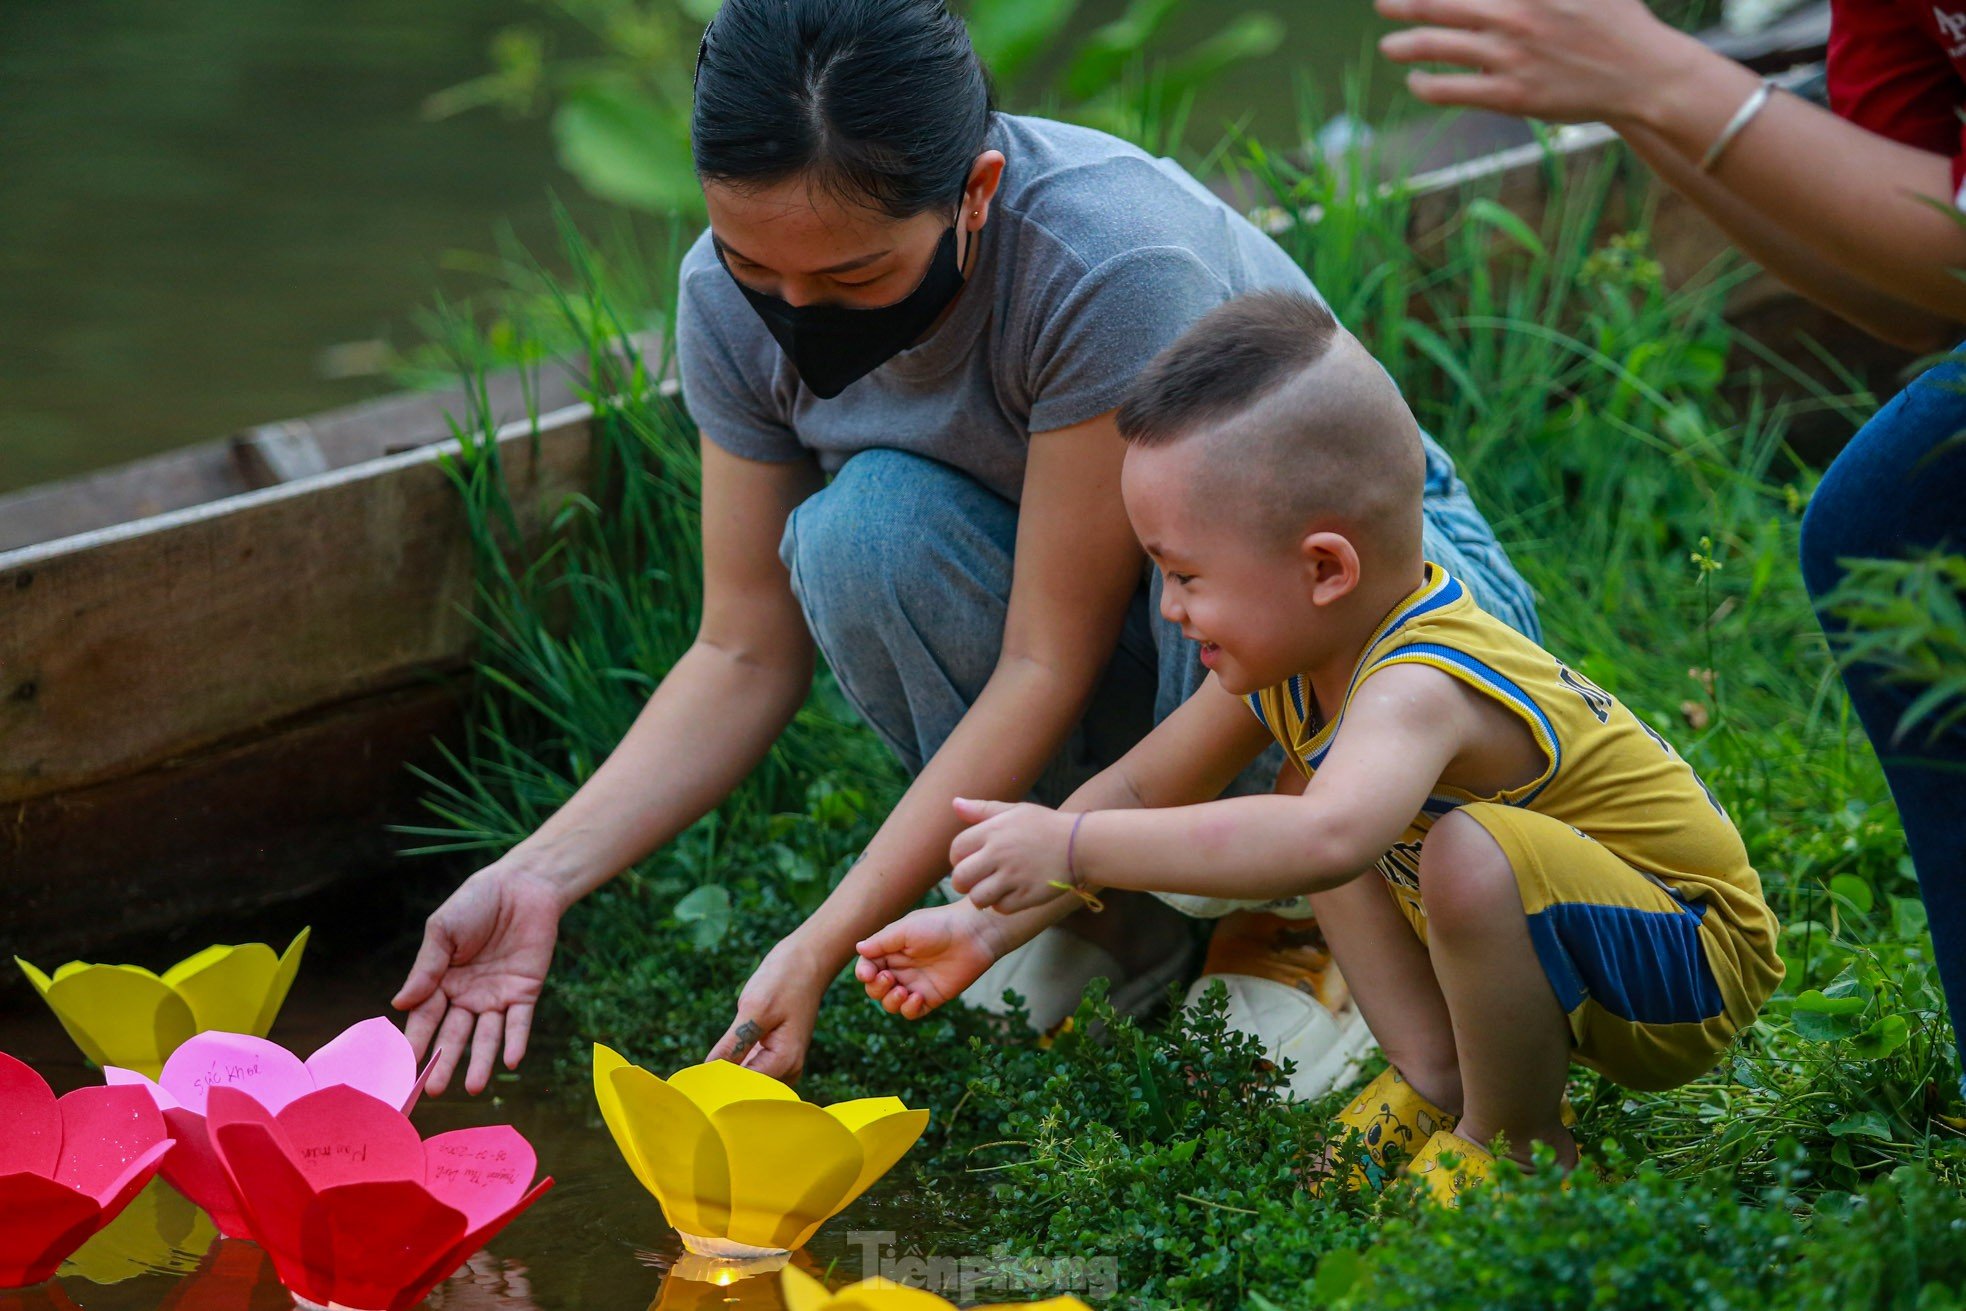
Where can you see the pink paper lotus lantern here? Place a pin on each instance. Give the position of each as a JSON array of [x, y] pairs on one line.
[[67, 1166], [356, 1211], [373, 1056]]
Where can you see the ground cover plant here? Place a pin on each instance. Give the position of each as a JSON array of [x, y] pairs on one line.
[[1631, 452]]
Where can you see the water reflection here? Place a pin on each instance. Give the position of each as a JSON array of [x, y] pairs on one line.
[[234, 1276], [50, 1296], [159, 1232], [711, 1283]]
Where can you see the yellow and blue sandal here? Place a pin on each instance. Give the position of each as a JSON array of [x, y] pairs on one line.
[[1393, 1122], [1449, 1165]]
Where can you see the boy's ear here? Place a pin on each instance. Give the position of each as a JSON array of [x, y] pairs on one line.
[[1331, 567]]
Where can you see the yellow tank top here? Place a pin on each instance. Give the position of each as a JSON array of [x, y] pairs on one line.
[[1607, 773]]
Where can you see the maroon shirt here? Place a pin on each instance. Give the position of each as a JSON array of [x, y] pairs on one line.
[[1898, 67]]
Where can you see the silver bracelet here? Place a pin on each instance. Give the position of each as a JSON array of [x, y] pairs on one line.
[[1742, 117]]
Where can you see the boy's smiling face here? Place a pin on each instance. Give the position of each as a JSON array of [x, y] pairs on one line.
[[1255, 605]]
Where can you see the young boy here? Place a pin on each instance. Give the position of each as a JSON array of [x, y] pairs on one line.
[[1512, 870]]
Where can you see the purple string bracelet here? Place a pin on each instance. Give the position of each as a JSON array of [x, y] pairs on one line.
[[1077, 885]]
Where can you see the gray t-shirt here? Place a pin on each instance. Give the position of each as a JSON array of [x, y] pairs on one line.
[[1096, 256]]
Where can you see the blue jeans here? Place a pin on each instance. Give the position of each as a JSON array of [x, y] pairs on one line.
[[1899, 488], [903, 566]]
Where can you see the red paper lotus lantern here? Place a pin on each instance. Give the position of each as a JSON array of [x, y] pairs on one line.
[[356, 1211], [67, 1166], [373, 1056]]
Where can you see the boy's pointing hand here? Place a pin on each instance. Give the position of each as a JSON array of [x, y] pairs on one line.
[[1011, 857]]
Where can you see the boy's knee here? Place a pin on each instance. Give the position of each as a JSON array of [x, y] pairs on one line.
[[1465, 878]]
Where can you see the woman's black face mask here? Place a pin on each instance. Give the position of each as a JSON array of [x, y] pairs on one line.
[[834, 346]]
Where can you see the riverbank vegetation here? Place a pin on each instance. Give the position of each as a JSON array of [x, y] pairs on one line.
[[1632, 452]]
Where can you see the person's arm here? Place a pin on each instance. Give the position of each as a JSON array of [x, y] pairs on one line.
[[1878, 211], [1773, 246], [1077, 567], [929, 957], [1402, 728], [486, 950]]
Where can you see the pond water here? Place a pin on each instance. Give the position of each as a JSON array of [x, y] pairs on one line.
[[202, 199], [595, 1241]]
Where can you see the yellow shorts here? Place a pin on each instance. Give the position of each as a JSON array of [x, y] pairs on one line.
[[1655, 985]]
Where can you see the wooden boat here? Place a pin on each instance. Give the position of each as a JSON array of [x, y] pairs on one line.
[[215, 663]]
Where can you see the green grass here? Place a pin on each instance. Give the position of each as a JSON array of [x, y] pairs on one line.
[[1654, 511]]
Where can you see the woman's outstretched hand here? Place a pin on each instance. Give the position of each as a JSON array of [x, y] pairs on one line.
[[478, 976], [1567, 61], [776, 1012]]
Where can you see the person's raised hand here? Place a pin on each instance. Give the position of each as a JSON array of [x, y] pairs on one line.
[[776, 1013], [1012, 856], [1566, 61], [478, 975], [927, 957]]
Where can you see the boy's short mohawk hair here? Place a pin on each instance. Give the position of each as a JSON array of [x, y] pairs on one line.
[[1231, 358]]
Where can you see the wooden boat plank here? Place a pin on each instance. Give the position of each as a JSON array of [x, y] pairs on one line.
[[162, 483], [140, 642], [235, 828]]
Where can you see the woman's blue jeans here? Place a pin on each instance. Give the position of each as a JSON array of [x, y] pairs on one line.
[[1898, 489], [903, 567]]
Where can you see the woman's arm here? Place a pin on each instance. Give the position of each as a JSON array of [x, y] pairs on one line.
[[487, 948], [1077, 567], [1877, 211], [1775, 248]]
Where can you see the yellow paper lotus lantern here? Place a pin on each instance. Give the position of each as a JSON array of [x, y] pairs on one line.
[[741, 1165], [804, 1293], [125, 1015]]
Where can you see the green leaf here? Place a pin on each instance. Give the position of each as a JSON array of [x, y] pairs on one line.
[[706, 913], [1150, 1093], [1337, 1273], [1854, 890], [1908, 917], [1815, 1002], [1862, 1124], [1881, 1038], [625, 147], [1487, 212], [1183, 1152], [1448, 360], [1008, 34], [1250, 36], [1817, 1027]]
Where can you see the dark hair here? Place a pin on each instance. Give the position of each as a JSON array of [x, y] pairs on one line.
[[1232, 357], [882, 103]]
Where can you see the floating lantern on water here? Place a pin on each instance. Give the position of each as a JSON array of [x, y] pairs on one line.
[[125, 1015], [741, 1165], [373, 1056], [68, 1166], [355, 1210], [804, 1293]]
